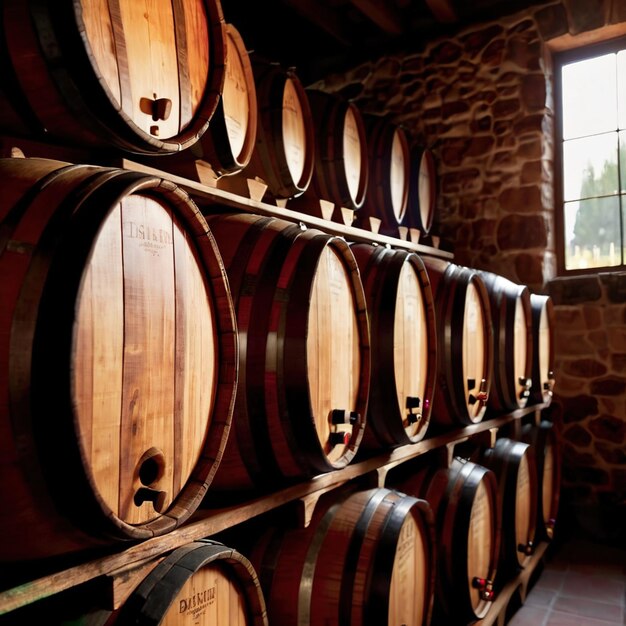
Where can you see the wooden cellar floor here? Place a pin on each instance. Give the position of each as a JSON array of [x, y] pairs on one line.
[[583, 583]]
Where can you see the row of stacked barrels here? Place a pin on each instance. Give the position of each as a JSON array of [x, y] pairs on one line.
[[201, 97], [149, 352]]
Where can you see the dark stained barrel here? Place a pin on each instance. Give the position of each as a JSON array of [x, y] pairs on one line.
[[111, 73], [117, 357], [403, 345]]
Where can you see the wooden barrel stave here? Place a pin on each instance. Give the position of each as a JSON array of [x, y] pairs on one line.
[[404, 349], [64, 346], [125, 100]]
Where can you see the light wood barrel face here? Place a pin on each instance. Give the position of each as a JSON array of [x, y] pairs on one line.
[[480, 549], [239, 97], [333, 349], [411, 342], [145, 356], [158, 75], [398, 179], [474, 358], [524, 495], [210, 597], [353, 156], [294, 131], [409, 587], [522, 346], [426, 191], [548, 485], [202, 583]]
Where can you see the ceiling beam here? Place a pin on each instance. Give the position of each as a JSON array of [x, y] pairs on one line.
[[383, 14], [323, 17]]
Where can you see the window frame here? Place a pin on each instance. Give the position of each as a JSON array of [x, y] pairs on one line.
[[560, 58]]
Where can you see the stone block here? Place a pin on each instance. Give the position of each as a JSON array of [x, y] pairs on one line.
[[476, 41], [615, 284], [575, 289], [577, 435], [532, 172], [529, 269], [618, 12], [618, 362], [506, 108], [445, 53], [608, 386], [524, 51], [533, 92], [609, 428], [521, 232], [493, 55], [578, 408], [611, 454], [526, 199], [584, 368]]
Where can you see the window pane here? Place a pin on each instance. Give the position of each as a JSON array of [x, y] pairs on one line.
[[590, 167], [589, 96], [592, 230], [621, 87], [622, 160]]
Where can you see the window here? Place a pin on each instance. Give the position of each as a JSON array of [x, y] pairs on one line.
[[591, 157]]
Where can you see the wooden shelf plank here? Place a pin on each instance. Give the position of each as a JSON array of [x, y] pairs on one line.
[[210, 521]]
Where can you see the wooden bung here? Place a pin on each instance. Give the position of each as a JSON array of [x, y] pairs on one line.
[[117, 357], [112, 73]]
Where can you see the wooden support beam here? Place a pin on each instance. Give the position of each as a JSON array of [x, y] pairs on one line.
[[383, 14], [323, 17]]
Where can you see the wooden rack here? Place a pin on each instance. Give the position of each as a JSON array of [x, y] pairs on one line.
[[122, 567]]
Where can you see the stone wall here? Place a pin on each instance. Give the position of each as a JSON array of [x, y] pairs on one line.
[[482, 101]]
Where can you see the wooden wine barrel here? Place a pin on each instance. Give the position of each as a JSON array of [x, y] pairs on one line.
[[341, 170], [512, 343], [284, 153], [464, 501], [368, 559], [464, 343], [389, 172], [95, 73], [403, 345], [229, 141], [118, 352], [543, 324], [544, 442], [422, 197], [514, 466], [204, 582], [304, 361]]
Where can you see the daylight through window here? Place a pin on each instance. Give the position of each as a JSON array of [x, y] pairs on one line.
[[593, 159]]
